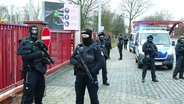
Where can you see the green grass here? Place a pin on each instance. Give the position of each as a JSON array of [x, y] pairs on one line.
[[114, 43]]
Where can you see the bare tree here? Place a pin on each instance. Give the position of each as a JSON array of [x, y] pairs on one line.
[[118, 26], [134, 8], [36, 11], [25, 13], [4, 13], [160, 15], [18, 15]]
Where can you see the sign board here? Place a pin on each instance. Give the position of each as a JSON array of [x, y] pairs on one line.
[[71, 17], [53, 14], [46, 36]]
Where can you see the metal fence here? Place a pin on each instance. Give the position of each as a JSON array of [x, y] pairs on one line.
[[59, 49]]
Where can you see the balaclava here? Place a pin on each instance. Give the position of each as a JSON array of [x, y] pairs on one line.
[[101, 36], [33, 32], [87, 41], [182, 40], [150, 39]]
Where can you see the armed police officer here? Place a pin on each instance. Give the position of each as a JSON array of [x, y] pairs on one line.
[[179, 51], [34, 67], [150, 52], [108, 45], [87, 60], [102, 43], [120, 46], [125, 42]]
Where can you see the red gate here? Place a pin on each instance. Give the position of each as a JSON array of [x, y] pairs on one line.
[[59, 49]]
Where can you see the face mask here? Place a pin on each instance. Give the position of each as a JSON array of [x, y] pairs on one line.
[[182, 42], [34, 36], [150, 40], [101, 38], [87, 41]]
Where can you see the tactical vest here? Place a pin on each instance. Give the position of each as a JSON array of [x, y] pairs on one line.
[[87, 52]]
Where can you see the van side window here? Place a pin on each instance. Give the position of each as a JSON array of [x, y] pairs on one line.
[[137, 39]]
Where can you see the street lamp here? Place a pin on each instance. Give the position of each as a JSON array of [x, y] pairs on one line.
[[30, 10], [99, 15]]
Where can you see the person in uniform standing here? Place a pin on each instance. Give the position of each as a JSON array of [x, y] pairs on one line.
[[102, 43], [120, 46], [88, 51], [34, 67], [108, 45], [150, 52], [179, 51], [125, 42]]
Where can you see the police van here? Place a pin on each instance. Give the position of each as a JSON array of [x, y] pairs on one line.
[[163, 42], [132, 42]]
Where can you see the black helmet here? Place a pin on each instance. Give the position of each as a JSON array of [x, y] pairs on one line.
[[33, 27], [101, 34], [33, 32], [150, 36], [87, 31]]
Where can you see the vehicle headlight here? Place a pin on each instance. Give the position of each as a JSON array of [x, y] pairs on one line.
[[170, 51]]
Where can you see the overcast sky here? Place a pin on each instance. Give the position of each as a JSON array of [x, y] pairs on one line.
[[175, 7]]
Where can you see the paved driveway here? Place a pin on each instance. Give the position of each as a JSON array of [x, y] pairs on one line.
[[125, 85]]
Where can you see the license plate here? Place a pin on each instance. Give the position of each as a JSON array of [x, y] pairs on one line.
[[158, 63]]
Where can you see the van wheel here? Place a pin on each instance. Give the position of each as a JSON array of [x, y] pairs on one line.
[[170, 66]]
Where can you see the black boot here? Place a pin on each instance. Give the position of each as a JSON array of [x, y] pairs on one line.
[[174, 77], [155, 80], [106, 83], [143, 80]]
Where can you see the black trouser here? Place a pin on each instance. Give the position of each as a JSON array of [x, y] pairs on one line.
[[82, 81], [34, 86], [179, 67], [145, 67], [120, 53], [125, 46], [104, 71], [108, 51]]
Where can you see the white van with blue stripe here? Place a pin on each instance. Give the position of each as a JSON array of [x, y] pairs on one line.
[[162, 40]]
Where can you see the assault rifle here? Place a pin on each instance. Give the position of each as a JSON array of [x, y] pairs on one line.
[[41, 46], [154, 53], [85, 67]]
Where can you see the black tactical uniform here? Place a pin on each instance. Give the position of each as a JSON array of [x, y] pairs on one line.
[[108, 45], [150, 52], [125, 42], [179, 51], [90, 52], [102, 43], [33, 69], [120, 46]]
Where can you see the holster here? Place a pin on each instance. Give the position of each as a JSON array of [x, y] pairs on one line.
[[147, 59], [24, 69]]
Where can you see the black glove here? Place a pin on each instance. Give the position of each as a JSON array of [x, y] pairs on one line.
[[79, 66]]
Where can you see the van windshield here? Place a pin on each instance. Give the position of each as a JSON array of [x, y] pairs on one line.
[[158, 38]]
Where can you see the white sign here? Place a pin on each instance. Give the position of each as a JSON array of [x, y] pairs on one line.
[[71, 17]]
